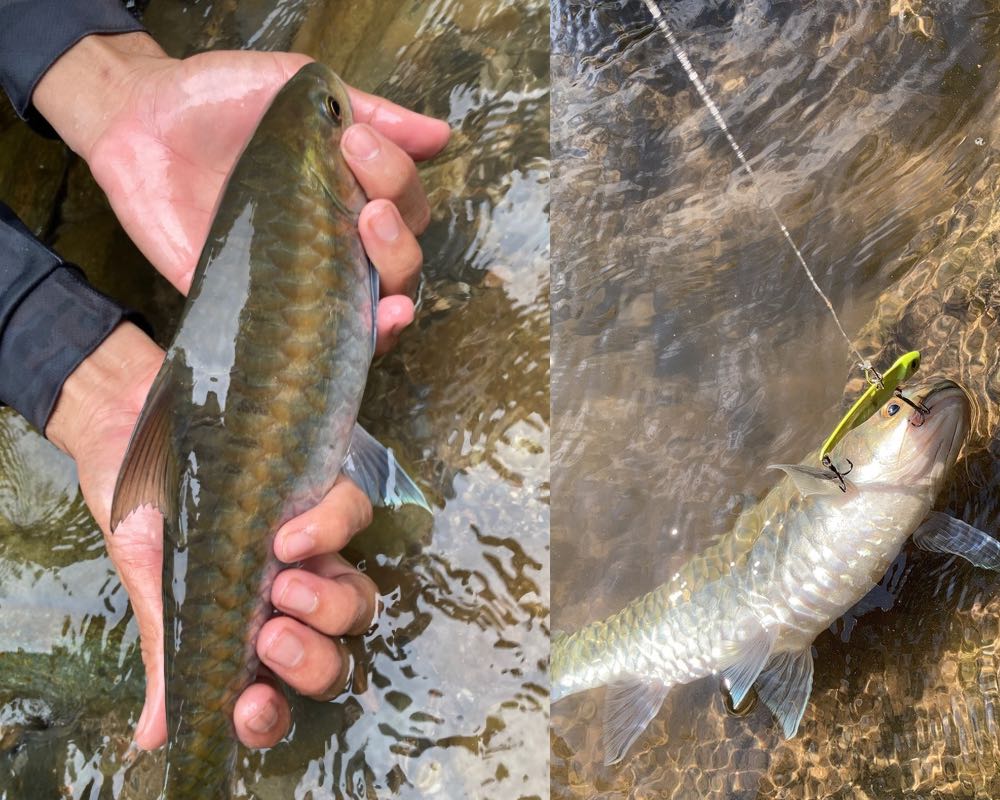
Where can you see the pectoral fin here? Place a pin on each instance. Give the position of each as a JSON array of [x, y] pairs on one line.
[[785, 686], [811, 480], [742, 673], [941, 533], [628, 709], [149, 473], [377, 473]]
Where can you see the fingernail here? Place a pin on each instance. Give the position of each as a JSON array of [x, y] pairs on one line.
[[286, 651], [296, 545], [360, 142], [298, 598], [385, 225], [265, 719]]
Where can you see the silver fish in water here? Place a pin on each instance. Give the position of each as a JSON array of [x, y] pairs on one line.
[[817, 548]]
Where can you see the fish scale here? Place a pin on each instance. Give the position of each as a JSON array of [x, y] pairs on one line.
[[251, 416]]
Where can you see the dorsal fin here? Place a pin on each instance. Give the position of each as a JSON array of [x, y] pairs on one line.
[[149, 472]]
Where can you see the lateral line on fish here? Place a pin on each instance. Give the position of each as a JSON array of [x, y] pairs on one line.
[[713, 109]]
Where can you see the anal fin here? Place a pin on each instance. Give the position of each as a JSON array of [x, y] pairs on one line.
[[149, 471], [785, 686], [377, 473], [628, 709]]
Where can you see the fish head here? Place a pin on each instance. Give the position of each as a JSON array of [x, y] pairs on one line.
[[910, 445], [319, 108]]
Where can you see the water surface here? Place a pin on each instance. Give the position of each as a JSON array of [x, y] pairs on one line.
[[689, 352]]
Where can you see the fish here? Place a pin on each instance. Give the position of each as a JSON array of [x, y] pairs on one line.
[[253, 414], [821, 540]]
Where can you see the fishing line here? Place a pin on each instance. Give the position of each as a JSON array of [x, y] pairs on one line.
[[713, 109]]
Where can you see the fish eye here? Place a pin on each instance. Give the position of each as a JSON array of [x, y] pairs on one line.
[[892, 409], [333, 107]]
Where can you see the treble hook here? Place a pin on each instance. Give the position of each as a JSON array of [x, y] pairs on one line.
[[828, 463], [920, 408]]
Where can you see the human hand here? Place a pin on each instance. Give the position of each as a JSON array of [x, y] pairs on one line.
[[161, 135], [93, 420]]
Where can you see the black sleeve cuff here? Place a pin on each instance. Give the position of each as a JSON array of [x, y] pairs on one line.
[[35, 33], [50, 321]]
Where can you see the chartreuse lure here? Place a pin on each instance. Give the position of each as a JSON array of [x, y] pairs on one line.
[[880, 389]]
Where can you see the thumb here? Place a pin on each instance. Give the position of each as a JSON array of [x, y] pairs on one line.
[[151, 731], [136, 548]]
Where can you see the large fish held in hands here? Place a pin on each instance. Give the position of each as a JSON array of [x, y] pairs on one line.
[[253, 415], [815, 545]]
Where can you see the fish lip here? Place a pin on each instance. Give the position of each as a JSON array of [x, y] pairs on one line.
[[939, 395], [945, 392], [923, 398]]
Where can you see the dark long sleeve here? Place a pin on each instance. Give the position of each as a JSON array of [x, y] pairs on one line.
[[50, 321], [50, 318], [34, 33]]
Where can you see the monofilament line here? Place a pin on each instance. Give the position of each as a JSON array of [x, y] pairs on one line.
[[713, 109]]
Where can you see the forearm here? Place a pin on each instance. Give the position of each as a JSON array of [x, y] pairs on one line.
[[112, 382], [50, 320], [34, 34], [90, 84]]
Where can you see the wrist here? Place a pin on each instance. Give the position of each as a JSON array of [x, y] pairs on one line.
[[108, 388], [92, 82]]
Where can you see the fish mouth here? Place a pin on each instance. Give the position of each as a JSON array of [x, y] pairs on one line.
[[943, 411], [942, 396]]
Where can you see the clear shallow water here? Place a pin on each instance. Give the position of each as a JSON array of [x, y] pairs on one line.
[[71, 678], [451, 699], [689, 352]]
